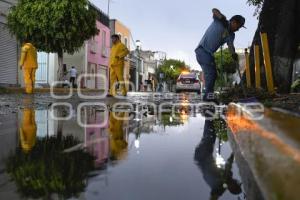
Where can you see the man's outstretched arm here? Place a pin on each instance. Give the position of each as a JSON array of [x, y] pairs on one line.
[[217, 15]]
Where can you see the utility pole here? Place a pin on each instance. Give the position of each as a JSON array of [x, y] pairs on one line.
[[108, 7]]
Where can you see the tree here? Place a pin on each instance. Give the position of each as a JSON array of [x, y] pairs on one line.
[[225, 66], [280, 20], [53, 26], [257, 3], [171, 73]]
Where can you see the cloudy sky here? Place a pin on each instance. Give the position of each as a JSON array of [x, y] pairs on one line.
[[177, 26]]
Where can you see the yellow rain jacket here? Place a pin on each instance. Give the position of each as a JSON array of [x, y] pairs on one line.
[[117, 55], [28, 57], [117, 58], [29, 63]]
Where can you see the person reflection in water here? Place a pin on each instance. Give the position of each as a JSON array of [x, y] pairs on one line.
[[28, 125], [218, 179], [118, 143]]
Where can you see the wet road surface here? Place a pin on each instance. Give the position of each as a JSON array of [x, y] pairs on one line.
[[120, 154]]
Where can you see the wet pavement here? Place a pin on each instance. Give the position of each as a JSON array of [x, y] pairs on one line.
[[127, 152]]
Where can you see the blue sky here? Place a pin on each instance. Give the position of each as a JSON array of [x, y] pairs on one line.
[[177, 26]]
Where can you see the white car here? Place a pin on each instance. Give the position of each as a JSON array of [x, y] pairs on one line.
[[188, 82]]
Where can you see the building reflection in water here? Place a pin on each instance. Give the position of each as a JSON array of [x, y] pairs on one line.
[[219, 178], [96, 137], [108, 142], [40, 167], [58, 156]]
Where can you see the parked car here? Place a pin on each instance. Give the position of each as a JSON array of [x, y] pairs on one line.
[[188, 82]]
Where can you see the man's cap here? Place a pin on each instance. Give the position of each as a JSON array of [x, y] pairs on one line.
[[240, 19]]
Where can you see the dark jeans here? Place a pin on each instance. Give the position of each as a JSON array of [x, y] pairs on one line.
[[72, 80], [208, 65]]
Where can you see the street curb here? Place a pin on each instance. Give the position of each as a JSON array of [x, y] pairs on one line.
[[270, 148], [276, 109]]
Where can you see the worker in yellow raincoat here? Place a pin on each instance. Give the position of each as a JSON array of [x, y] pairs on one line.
[[28, 126], [28, 63], [117, 58], [118, 143]]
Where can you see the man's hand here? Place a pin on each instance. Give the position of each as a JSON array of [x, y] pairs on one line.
[[217, 13], [235, 57], [219, 16]]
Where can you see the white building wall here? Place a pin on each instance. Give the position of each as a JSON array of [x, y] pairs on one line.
[[77, 60], [53, 67]]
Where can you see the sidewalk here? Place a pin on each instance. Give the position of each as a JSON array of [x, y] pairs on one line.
[[271, 150]]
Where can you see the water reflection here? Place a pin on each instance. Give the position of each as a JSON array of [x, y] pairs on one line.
[[62, 158], [118, 143], [219, 177], [46, 170], [97, 138], [179, 117], [39, 167], [28, 125]]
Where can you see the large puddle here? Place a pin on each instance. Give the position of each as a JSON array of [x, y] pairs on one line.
[[118, 155]]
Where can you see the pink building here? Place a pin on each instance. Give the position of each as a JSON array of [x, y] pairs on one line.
[[93, 58], [98, 49], [97, 138]]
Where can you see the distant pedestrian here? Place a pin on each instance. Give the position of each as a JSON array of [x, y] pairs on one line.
[[29, 64], [73, 76], [221, 31]]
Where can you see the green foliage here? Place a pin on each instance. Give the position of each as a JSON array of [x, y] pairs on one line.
[[225, 64], [166, 120], [225, 67], [220, 127], [296, 86], [46, 169], [169, 73], [53, 25], [257, 3], [3, 90]]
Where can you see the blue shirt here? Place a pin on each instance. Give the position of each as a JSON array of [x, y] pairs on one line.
[[215, 36]]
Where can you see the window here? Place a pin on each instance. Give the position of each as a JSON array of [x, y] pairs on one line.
[[126, 42], [103, 41]]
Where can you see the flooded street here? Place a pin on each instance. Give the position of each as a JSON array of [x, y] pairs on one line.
[[118, 153]]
